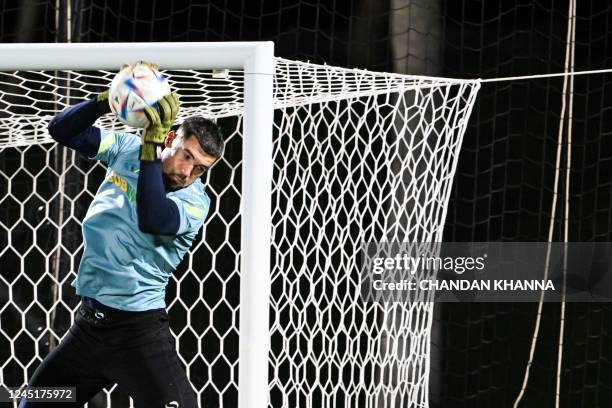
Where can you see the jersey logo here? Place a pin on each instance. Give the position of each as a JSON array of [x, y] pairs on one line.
[[126, 187]]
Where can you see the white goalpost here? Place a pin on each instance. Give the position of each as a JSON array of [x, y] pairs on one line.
[[266, 309]]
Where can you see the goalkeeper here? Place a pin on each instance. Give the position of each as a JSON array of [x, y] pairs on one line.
[[141, 222]]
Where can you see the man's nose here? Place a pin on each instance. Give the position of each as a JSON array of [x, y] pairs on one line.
[[185, 171]]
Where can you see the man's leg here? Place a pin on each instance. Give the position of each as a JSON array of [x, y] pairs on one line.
[[151, 373], [73, 363]]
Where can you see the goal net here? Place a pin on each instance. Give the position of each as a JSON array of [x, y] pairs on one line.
[[358, 157]]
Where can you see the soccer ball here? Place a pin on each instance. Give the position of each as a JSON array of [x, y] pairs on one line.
[[133, 88]]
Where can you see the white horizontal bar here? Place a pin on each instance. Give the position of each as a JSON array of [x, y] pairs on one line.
[[94, 56]]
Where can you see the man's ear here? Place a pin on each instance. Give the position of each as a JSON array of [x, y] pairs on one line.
[[169, 138]]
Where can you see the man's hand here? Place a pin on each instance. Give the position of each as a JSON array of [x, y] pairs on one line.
[[151, 64], [103, 105], [160, 119]]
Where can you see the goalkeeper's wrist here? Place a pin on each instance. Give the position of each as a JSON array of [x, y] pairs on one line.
[[154, 135], [102, 102], [151, 152]]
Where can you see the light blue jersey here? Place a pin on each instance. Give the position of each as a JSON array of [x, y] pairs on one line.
[[123, 267]]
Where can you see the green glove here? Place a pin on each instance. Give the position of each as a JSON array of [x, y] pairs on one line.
[[160, 119], [151, 64], [103, 104]]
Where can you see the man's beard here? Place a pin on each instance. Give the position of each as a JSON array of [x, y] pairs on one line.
[[171, 183]]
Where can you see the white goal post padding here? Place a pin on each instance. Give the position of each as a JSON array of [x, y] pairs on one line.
[[353, 156]]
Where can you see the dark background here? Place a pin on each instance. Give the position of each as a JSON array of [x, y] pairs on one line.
[[503, 186]]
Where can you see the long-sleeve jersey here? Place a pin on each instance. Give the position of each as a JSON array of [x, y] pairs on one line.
[[124, 265]]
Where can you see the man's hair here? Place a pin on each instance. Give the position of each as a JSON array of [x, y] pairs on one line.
[[207, 132]]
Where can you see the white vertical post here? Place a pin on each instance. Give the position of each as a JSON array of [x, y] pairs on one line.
[[256, 228], [257, 60]]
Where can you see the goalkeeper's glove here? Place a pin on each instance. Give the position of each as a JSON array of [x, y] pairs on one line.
[[160, 119], [151, 64], [103, 104]]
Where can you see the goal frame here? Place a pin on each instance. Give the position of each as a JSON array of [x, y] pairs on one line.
[[257, 60]]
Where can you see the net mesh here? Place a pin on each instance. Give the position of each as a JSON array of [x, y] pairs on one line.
[[503, 181], [358, 156]]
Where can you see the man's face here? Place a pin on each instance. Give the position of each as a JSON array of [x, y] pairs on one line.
[[183, 161]]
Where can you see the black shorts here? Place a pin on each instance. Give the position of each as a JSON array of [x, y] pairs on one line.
[[106, 346]]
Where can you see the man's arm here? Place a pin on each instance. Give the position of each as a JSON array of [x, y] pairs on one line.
[[157, 214], [73, 127]]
